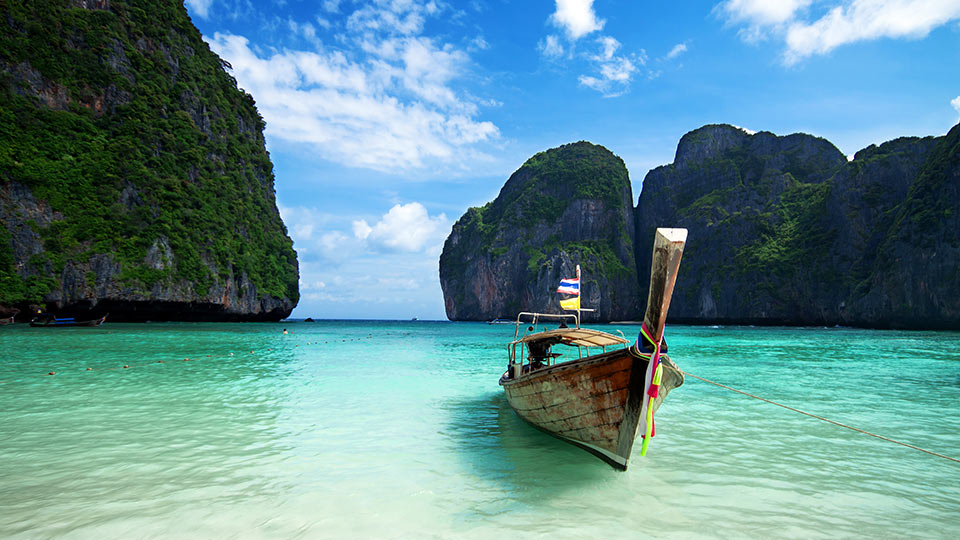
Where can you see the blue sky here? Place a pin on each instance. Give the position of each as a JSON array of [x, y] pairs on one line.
[[387, 119]]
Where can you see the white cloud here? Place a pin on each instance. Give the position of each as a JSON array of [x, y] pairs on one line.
[[406, 227], [400, 285], [308, 227], [551, 47], [612, 73], [361, 230], [866, 20], [403, 17], [677, 50], [479, 44], [956, 104], [347, 265], [610, 46], [842, 23], [763, 12], [200, 8], [386, 101], [606, 71], [576, 17], [332, 244]]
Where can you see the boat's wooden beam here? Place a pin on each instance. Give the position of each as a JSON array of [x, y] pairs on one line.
[[667, 250]]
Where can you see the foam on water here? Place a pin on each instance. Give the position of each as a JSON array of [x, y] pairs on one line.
[[399, 430]]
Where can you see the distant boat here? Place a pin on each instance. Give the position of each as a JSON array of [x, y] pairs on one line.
[[414, 319], [46, 320], [11, 319], [598, 402], [501, 321]]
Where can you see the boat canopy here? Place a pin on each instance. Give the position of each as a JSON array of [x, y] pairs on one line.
[[577, 337]]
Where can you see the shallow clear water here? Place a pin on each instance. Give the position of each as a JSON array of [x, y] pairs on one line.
[[399, 430]]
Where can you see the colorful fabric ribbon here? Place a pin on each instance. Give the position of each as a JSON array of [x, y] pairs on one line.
[[651, 383]]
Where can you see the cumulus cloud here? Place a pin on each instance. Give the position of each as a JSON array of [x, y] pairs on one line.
[[388, 100], [865, 20], [842, 23], [607, 70], [405, 227], [612, 72], [677, 50], [956, 104], [348, 264], [200, 8], [576, 18]]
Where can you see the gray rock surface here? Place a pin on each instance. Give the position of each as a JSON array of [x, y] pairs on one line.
[[783, 230], [566, 206]]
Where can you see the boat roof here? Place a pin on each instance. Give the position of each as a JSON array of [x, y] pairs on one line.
[[582, 337]]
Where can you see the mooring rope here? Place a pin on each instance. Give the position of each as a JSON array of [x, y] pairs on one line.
[[834, 422]]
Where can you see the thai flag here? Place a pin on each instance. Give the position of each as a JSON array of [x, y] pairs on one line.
[[569, 286]]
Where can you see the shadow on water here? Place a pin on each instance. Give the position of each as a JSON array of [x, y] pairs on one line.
[[495, 445]]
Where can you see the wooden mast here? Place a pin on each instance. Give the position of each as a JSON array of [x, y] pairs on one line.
[[667, 250]]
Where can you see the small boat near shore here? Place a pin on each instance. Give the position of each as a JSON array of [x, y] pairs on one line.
[[47, 320], [10, 316], [599, 401]]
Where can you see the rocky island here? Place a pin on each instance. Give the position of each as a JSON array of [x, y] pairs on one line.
[[567, 206], [784, 230], [134, 178]]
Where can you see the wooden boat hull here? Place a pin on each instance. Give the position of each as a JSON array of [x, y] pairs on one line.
[[593, 402], [54, 324]]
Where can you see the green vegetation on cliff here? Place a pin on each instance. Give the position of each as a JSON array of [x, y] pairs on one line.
[[786, 230], [564, 206], [542, 189], [127, 127]]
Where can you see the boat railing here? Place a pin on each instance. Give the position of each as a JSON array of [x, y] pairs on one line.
[[516, 364], [535, 318]]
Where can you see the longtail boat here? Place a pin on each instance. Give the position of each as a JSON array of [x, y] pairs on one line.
[[46, 320], [599, 401], [7, 320]]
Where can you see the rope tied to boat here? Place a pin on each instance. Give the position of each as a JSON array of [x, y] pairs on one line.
[[834, 422]]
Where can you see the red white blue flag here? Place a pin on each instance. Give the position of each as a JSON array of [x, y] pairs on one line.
[[570, 285]]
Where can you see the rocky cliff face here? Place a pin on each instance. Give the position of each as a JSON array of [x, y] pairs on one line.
[[133, 173], [784, 230], [566, 206], [914, 273]]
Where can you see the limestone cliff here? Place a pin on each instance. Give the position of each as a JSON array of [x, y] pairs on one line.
[[784, 230], [133, 173], [566, 206]]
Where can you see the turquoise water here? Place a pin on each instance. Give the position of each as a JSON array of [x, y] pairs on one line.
[[399, 430]]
